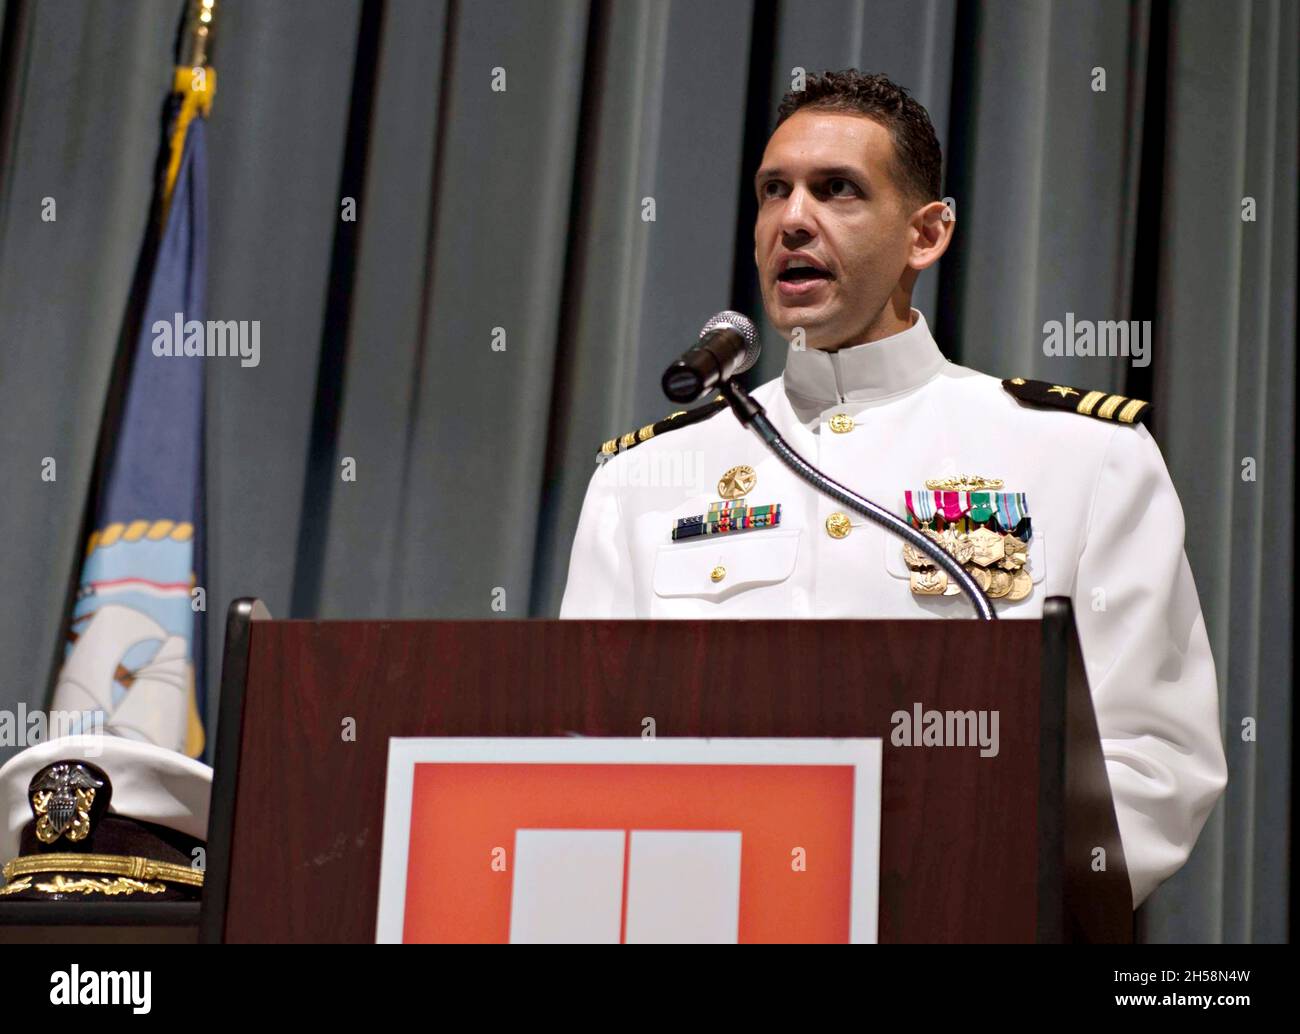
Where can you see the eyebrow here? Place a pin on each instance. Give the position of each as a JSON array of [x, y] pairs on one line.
[[825, 172]]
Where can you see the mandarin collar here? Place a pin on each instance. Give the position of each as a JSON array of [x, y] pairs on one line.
[[861, 373]]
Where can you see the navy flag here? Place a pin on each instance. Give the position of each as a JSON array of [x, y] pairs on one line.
[[135, 640]]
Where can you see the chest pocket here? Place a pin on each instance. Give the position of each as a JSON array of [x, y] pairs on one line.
[[755, 568]]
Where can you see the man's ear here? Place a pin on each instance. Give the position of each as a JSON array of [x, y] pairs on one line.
[[933, 226]]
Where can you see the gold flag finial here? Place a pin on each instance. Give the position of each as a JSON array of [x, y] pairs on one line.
[[196, 43], [194, 82]]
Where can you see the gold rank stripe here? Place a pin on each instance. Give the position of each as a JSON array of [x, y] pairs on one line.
[[1129, 413], [1107, 409], [1088, 401], [644, 434], [1088, 406]]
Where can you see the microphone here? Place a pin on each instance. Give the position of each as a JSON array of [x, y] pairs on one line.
[[728, 346]]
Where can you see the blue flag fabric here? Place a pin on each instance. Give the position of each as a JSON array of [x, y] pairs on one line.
[[133, 665]]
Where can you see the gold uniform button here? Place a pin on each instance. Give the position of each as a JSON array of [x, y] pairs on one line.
[[718, 573], [841, 423], [837, 526]]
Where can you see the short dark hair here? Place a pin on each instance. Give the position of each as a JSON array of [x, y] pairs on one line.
[[917, 157]]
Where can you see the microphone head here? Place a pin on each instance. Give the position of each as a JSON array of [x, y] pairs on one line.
[[743, 326]]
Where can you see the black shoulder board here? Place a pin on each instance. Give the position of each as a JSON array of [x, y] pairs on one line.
[[1099, 404], [682, 418]]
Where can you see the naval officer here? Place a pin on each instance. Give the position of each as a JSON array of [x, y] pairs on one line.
[[1039, 489]]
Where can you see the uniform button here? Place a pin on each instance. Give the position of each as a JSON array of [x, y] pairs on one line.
[[718, 573], [837, 526], [841, 423]]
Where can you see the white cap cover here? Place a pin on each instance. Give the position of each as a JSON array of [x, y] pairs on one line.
[[150, 784]]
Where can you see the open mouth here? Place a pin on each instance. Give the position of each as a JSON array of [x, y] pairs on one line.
[[799, 276], [800, 281], [798, 271]]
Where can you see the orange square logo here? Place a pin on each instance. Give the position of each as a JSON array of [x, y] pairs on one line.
[[633, 852]]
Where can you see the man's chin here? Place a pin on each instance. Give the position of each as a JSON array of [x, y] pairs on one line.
[[788, 319]]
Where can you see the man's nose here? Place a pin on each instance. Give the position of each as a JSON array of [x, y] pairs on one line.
[[797, 222]]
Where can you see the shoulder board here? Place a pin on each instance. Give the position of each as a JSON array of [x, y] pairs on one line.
[[1100, 404], [682, 418]]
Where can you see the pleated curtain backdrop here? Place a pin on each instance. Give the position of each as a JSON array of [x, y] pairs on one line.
[[514, 218]]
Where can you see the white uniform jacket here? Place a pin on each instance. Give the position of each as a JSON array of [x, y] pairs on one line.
[[1107, 531]]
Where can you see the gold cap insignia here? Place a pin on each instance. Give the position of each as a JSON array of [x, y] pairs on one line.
[[66, 798]]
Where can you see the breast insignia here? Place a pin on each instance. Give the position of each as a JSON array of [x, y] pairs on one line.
[[673, 421], [1100, 404], [737, 482]]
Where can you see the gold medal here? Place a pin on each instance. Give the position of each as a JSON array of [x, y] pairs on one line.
[[999, 583], [914, 558], [1015, 552], [929, 582], [958, 544], [1021, 585], [987, 547], [982, 578], [737, 481]]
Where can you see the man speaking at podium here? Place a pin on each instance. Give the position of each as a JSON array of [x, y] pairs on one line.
[[1039, 490]]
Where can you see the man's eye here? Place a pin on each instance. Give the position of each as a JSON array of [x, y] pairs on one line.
[[772, 188], [839, 187]]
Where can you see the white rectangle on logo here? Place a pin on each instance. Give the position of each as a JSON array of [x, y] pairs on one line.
[[683, 887], [568, 886]]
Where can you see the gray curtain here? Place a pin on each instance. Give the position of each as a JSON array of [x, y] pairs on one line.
[[521, 210]]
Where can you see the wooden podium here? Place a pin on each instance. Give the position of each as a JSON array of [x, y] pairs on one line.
[[974, 849]]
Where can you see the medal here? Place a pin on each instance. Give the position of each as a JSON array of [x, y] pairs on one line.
[[958, 544], [987, 547], [1015, 553], [952, 505], [914, 558], [1011, 509], [929, 582], [981, 507], [985, 530], [921, 506], [1021, 584]]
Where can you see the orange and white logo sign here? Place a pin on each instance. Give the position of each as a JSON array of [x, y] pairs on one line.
[[630, 841]]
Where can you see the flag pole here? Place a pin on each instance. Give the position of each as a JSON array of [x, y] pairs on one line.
[[195, 83]]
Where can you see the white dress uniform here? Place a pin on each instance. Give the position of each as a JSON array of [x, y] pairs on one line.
[[885, 417]]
